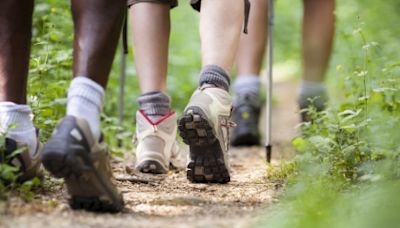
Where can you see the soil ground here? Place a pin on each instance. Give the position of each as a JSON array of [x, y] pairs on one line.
[[171, 201]]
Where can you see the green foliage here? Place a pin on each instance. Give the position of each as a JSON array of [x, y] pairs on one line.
[[50, 65], [348, 157], [278, 175], [9, 175]]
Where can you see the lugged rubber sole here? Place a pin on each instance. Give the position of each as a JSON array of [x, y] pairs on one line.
[[248, 139], [76, 167], [206, 163], [93, 204], [151, 167]]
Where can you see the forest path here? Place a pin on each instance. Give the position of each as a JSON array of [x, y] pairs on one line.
[[173, 201]]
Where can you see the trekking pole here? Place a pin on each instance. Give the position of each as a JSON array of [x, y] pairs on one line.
[[122, 76], [268, 142]]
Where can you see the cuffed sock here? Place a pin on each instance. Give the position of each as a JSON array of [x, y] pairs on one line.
[[247, 84], [246, 90], [85, 100], [16, 122], [312, 93], [214, 75], [154, 104]]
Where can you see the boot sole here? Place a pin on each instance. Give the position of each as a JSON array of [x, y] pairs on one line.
[[75, 165], [206, 163], [246, 140], [151, 167]]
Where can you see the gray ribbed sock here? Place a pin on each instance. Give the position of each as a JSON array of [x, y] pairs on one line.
[[315, 91], [155, 104], [214, 75], [247, 84], [246, 90]]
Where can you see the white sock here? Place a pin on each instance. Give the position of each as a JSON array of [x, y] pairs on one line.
[[85, 100], [312, 90], [16, 122]]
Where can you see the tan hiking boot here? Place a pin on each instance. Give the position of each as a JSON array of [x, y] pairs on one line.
[[157, 148], [205, 128], [73, 154]]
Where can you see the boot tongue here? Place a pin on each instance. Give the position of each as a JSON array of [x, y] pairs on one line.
[[208, 85]]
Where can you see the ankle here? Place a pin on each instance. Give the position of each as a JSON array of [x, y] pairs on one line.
[[16, 122], [216, 76], [247, 84], [312, 93], [85, 100], [154, 104]]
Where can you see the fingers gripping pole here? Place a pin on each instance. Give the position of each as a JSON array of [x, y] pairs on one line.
[[268, 142]]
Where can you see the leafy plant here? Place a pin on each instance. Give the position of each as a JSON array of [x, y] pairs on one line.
[[348, 157], [9, 175]]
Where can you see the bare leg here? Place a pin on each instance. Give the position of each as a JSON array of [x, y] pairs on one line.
[[151, 28], [97, 29], [150, 35], [210, 106], [77, 137], [318, 31], [247, 102], [252, 45], [15, 37], [15, 40], [220, 28]]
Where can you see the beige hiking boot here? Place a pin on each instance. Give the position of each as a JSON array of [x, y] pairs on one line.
[[205, 128], [73, 154], [157, 148]]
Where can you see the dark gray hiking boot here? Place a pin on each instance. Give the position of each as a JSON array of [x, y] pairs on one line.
[[73, 154], [205, 128], [29, 166], [246, 115]]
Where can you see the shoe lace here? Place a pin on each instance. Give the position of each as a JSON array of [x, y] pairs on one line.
[[227, 124], [135, 137]]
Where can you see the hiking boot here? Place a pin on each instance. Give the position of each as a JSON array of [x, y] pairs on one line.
[[29, 166], [246, 115], [205, 128], [73, 154], [157, 149]]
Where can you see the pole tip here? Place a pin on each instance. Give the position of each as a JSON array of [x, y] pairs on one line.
[[268, 150]]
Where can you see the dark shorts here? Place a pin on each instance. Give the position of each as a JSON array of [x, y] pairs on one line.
[[195, 3]]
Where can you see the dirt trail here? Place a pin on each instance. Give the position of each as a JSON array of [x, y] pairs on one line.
[[174, 202]]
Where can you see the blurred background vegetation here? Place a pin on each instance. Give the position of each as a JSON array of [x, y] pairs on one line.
[[347, 168]]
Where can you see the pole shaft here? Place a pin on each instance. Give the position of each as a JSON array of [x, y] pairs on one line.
[[268, 140], [121, 95]]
